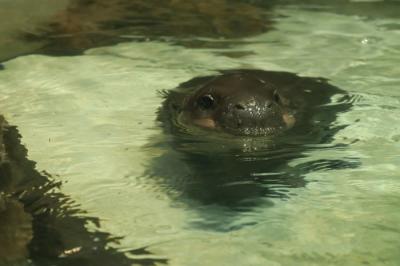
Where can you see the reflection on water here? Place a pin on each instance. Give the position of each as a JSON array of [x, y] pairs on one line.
[[86, 24], [40, 225], [71, 26]]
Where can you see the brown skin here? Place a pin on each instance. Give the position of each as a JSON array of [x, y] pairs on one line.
[[247, 102]]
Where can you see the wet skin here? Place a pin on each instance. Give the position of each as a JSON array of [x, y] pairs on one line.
[[247, 102]]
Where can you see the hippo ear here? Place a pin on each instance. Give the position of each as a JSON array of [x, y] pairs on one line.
[[163, 93], [172, 104]]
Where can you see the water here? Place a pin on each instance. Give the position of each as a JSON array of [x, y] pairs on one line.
[[90, 120]]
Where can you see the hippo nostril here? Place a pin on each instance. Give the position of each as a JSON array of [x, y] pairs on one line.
[[239, 106]]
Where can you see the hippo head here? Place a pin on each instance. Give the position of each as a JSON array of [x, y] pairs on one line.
[[238, 104]]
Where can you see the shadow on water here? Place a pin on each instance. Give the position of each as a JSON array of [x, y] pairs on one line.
[[236, 174], [41, 226]]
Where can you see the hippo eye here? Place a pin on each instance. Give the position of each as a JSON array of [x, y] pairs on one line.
[[206, 101]]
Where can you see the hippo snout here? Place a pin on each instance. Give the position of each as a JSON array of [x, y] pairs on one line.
[[255, 116]]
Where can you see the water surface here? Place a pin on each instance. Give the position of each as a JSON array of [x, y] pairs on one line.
[[90, 120]]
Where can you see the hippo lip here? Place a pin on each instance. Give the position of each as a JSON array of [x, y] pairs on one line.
[[254, 131]]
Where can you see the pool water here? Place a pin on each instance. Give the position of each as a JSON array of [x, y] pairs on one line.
[[90, 120]]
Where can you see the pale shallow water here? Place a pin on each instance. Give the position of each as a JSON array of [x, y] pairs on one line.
[[90, 120]]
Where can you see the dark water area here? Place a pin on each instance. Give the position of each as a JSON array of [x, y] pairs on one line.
[[86, 24]]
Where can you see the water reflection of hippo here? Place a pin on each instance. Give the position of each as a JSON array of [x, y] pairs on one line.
[[235, 135], [247, 102]]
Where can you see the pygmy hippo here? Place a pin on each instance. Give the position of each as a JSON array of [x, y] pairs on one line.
[[235, 134], [248, 103]]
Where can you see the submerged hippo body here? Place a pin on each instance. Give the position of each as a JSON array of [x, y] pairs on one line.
[[247, 102], [236, 134]]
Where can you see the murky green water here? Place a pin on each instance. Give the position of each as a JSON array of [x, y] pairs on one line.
[[90, 120]]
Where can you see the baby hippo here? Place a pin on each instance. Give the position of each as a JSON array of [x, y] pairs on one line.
[[247, 102]]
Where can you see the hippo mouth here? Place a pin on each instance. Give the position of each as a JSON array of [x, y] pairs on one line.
[[255, 131]]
